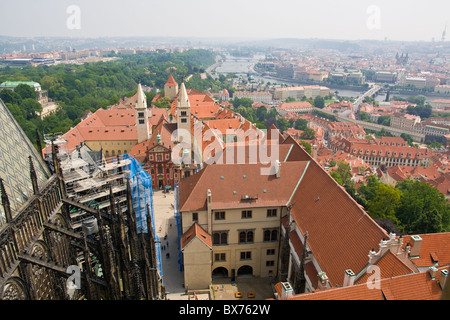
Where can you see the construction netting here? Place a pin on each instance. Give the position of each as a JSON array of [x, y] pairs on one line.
[[176, 213], [141, 189]]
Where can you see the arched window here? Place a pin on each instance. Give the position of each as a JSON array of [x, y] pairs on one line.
[[223, 238], [216, 238], [246, 236], [274, 235], [242, 237], [250, 236], [267, 235]]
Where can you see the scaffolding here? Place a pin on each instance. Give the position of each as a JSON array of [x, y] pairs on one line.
[[98, 182], [141, 190]]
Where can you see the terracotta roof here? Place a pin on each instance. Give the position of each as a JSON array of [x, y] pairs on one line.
[[230, 184], [295, 105], [434, 245], [223, 125], [341, 234], [164, 129], [366, 147], [390, 266], [415, 286], [171, 81], [356, 292], [252, 153], [195, 231]]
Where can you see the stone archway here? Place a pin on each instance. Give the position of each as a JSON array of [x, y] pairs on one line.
[[245, 270], [220, 272]]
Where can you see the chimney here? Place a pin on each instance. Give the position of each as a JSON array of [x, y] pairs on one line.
[[416, 243], [314, 152], [433, 271], [349, 278], [443, 275], [323, 281], [277, 168], [286, 290]]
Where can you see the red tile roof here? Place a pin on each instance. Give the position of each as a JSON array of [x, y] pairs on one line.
[[171, 81], [390, 266], [230, 184], [195, 231], [415, 286], [434, 245], [341, 234]]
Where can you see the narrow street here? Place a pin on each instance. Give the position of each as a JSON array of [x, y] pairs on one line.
[[165, 224]]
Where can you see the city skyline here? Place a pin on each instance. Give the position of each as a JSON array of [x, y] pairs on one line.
[[250, 19]]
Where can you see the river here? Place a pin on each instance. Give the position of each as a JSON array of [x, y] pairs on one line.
[[245, 65]]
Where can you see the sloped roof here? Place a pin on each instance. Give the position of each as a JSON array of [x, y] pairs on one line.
[[356, 292], [434, 246], [15, 148], [171, 81], [230, 184], [195, 231], [341, 234], [390, 266], [414, 286]]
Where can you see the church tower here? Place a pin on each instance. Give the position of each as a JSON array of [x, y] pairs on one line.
[[183, 110], [141, 115], [171, 88]]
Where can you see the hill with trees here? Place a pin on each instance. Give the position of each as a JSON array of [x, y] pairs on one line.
[[90, 86]]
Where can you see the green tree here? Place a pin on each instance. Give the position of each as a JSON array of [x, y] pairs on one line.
[[306, 145], [308, 134], [282, 124], [261, 113], [25, 91], [30, 108], [9, 96], [385, 202], [301, 124], [407, 138], [345, 172], [245, 102], [319, 102], [368, 190], [336, 176], [384, 120], [290, 99], [423, 208]]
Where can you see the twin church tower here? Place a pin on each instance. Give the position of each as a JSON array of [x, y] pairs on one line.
[[171, 92]]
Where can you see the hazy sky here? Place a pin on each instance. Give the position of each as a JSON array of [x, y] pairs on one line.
[[331, 19]]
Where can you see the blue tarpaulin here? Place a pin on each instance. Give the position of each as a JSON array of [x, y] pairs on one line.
[[141, 190]]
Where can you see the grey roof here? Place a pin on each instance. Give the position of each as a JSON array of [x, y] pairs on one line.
[[15, 148]]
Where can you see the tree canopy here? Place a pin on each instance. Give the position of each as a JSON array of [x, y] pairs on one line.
[[410, 206]]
